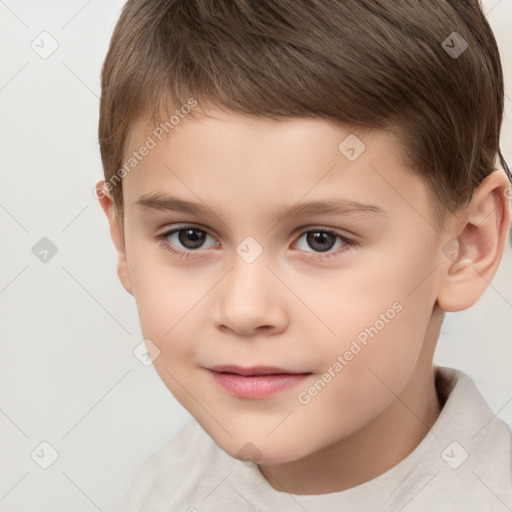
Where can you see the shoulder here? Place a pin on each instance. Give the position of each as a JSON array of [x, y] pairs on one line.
[[472, 448], [182, 446], [173, 473]]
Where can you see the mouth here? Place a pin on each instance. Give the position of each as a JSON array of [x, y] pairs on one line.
[[257, 382]]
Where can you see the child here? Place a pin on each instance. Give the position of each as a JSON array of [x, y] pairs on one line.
[[298, 190]]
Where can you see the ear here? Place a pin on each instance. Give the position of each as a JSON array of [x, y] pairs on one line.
[[116, 232], [472, 258]]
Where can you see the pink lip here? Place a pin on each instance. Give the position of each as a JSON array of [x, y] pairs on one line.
[[258, 382]]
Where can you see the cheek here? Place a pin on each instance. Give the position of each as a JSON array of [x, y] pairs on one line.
[[347, 395], [376, 359], [168, 301], [380, 330], [169, 319]]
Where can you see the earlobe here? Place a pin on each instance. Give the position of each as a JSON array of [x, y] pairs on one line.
[[471, 258], [123, 271], [116, 233]]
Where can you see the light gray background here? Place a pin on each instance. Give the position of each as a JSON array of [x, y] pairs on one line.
[[68, 329]]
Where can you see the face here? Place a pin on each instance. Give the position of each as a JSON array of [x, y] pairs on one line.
[[281, 333]]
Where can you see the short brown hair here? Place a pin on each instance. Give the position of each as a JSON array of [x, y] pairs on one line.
[[370, 64]]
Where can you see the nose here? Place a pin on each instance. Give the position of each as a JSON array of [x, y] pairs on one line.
[[250, 299]]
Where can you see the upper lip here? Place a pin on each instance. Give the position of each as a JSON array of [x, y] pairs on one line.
[[254, 370]]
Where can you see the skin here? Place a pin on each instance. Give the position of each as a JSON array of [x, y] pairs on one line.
[[292, 310]]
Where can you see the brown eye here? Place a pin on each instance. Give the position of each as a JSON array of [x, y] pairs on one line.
[[185, 240], [191, 238], [324, 240], [321, 240]]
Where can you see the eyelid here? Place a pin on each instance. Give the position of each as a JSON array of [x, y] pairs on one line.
[[173, 228], [350, 242], [298, 232], [179, 227], [323, 227]]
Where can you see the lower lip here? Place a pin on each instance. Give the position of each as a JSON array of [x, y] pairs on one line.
[[258, 386]]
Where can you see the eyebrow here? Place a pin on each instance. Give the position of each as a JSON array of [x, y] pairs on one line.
[[327, 207]]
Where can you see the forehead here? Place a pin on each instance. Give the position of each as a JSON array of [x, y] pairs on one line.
[[203, 128], [230, 159]]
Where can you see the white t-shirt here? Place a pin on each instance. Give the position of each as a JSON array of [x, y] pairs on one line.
[[466, 466]]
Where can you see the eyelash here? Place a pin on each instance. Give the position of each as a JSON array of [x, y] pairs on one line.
[[349, 242]]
